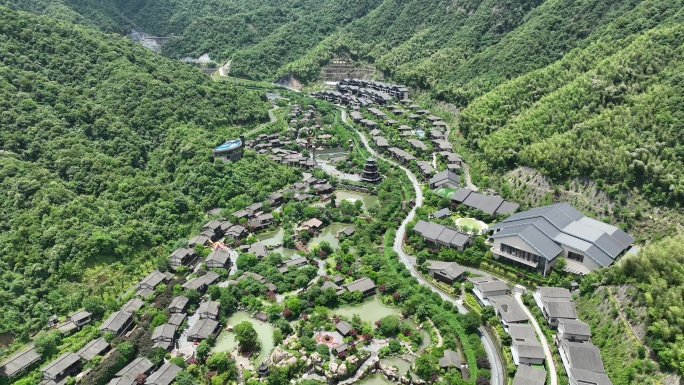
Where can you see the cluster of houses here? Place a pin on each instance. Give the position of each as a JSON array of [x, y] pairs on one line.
[[212, 232], [437, 137], [489, 204], [119, 323], [437, 235], [363, 285], [581, 358], [535, 239], [361, 92], [301, 118], [526, 350]]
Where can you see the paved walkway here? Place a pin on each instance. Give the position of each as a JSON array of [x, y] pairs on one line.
[[542, 337], [497, 369], [331, 170], [271, 119], [440, 342], [469, 182], [370, 361]]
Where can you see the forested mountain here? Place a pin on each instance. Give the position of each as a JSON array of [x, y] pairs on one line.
[[93, 14], [654, 296], [596, 81], [106, 154], [259, 36]]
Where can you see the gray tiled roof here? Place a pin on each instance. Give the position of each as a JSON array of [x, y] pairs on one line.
[[344, 327], [449, 269], [133, 305], [445, 176], [559, 308], [554, 292], [507, 208], [527, 375], [417, 144], [165, 375], [508, 308], [176, 319], [362, 284], [443, 213], [93, 348], [176, 258], [130, 372], [203, 328], [583, 355], [486, 203], [178, 302], [165, 331], [461, 194], [198, 240], [218, 256], [524, 339], [198, 282], [116, 321], [492, 285], [59, 365], [446, 235], [210, 308], [19, 361], [589, 377], [545, 246], [450, 358], [79, 316], [258, 249], [574, 326], [153, 279], [563, 225], [436, 232], [420, 227]]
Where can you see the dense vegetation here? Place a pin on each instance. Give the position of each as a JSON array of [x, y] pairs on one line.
[[625, 359], [657, 274], [105, 156], [258, 36], [611, 112]]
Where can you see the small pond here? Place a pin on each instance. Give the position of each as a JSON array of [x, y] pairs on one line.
[[328, 153], [350, 196], [471, 224], [369, 311], [328, 234], [426, 335], [402, 366], [226, 341], [273, 238], [375, 379]]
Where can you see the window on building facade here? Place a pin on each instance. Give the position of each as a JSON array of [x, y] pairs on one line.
[[519, 253], [575, 256]]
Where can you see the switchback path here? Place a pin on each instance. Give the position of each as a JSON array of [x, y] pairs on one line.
[[469, 182], [271, 118], [497, 369]]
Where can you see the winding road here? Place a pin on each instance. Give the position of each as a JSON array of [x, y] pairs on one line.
[[497, 368], [547, 351], [271, 119]]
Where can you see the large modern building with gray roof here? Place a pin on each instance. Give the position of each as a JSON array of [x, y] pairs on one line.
[[534, 240]]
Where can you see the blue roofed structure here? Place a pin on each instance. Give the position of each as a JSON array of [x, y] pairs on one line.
[[229, 151]]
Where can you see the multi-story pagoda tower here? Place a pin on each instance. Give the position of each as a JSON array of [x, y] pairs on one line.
[[370, 172]]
